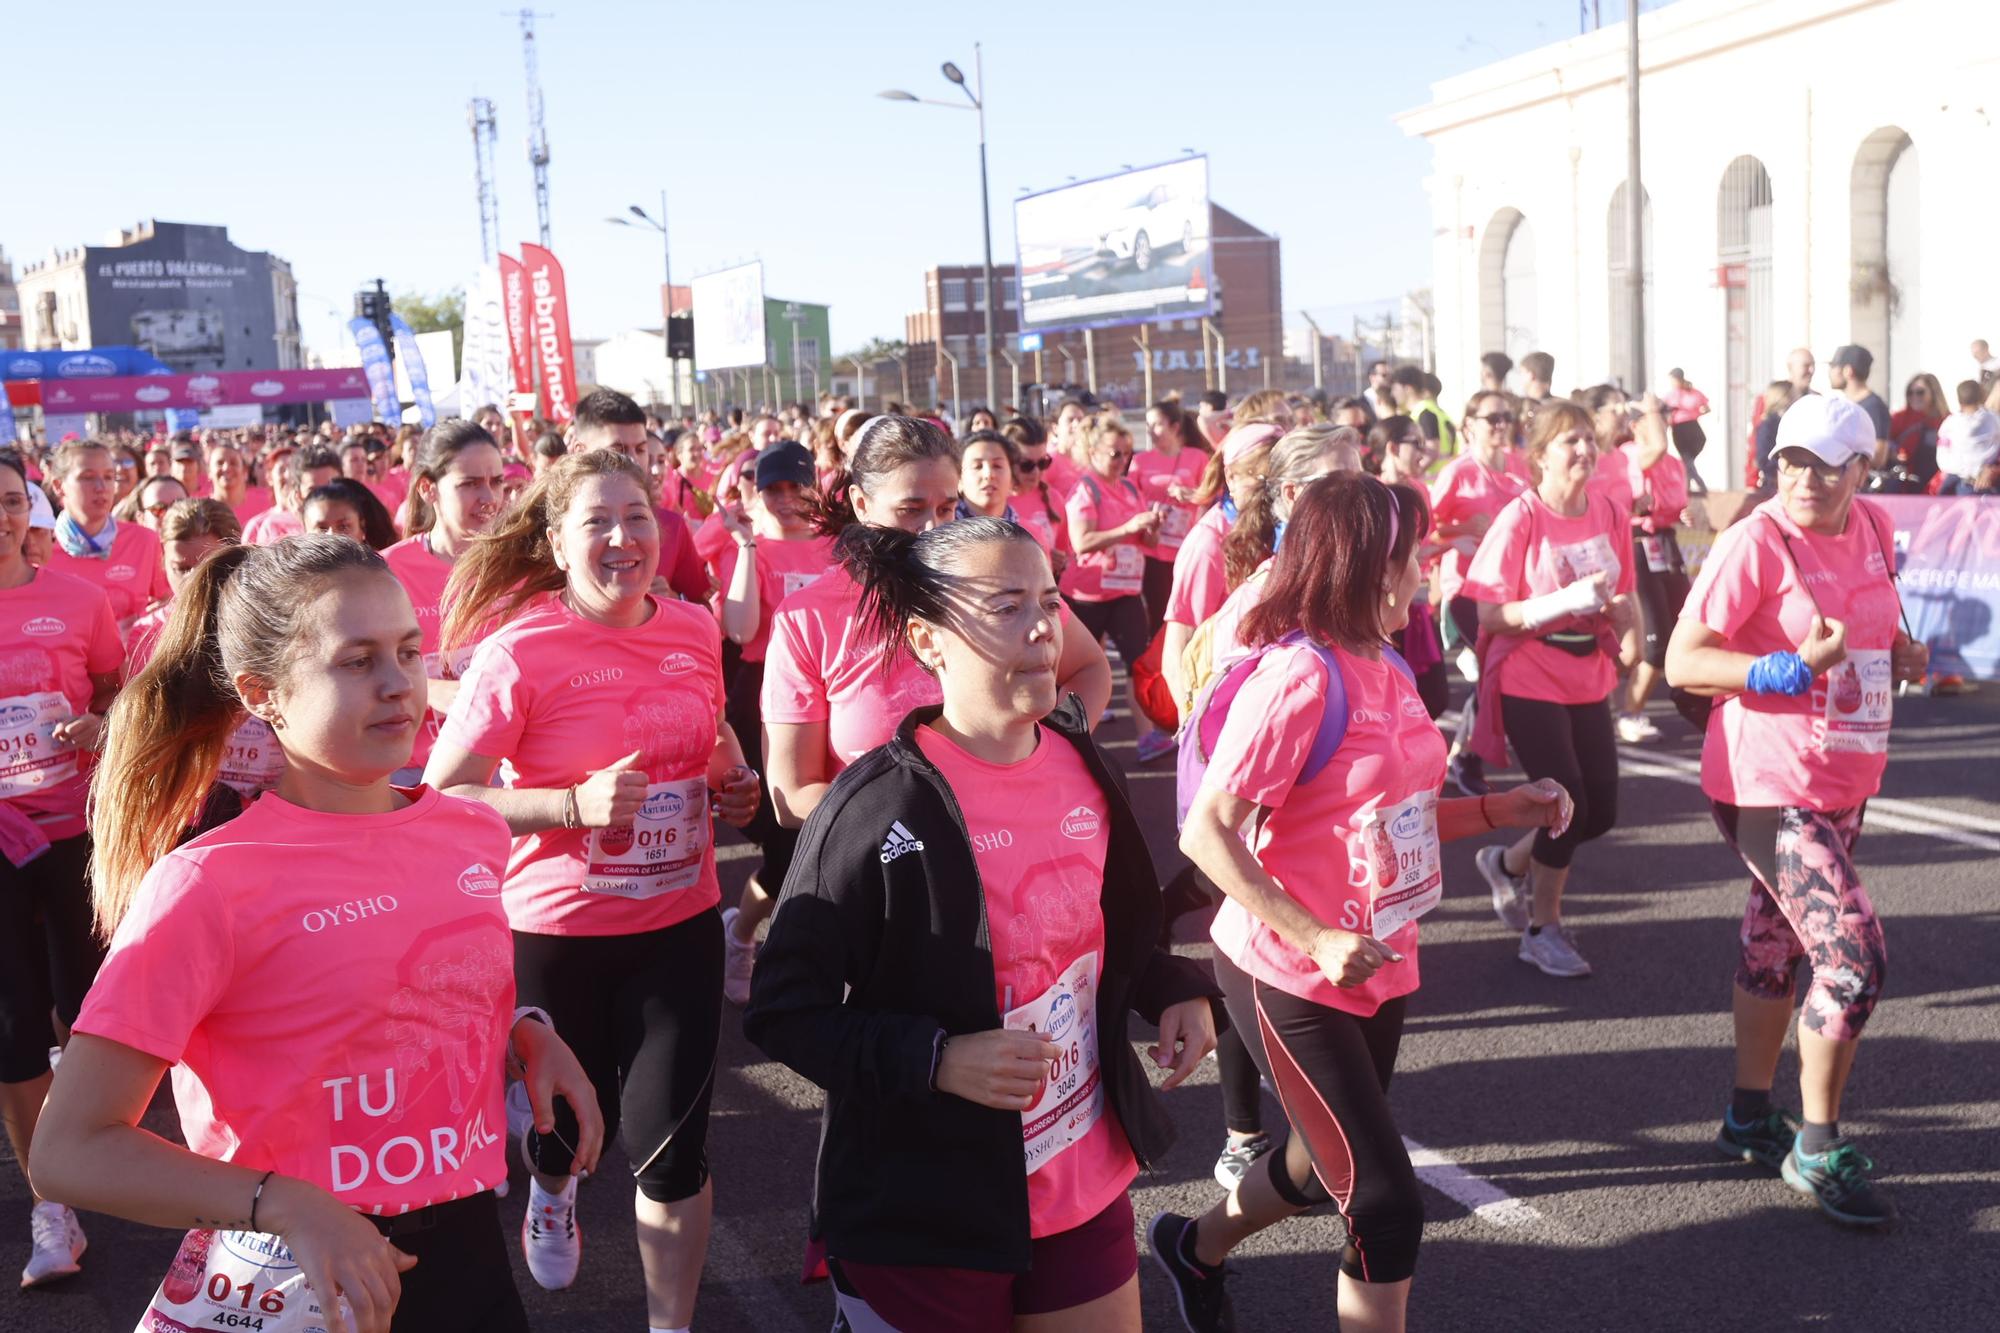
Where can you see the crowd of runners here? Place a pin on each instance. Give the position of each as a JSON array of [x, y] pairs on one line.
[[367, 785]]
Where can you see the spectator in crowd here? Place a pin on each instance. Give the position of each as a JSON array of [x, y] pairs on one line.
[[1778, 396], [1380, 395], [1494, 367], [1913, 432], [1538, 373], [1968, 442], [1982, 356], [1848, 374], [1417, 400]]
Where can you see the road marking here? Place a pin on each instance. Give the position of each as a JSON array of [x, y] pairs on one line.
[[1906, 809], [1487, 1201]]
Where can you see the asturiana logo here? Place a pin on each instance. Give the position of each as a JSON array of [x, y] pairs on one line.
[[479, 881], [44, 627], [677, 664], [1082, 823]]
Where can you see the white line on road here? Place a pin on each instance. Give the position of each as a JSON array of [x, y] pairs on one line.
[[1487, 1201]]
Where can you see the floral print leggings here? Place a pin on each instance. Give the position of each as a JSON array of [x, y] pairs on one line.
[[1806, 901]]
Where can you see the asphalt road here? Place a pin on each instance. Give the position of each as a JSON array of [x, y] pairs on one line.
[[1577, 1115]]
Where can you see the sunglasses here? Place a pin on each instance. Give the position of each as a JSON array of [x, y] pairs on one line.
[[1036, 464], [1498, 418]]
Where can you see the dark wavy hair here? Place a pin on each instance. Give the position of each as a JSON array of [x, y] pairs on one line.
[[1337, 553]]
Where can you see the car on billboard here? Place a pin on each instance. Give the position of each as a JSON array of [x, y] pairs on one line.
[[1159, 217]]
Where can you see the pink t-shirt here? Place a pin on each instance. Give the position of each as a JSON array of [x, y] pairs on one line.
[[56, 632], [820, 666], [271, 527], [1531, 550], [323, 1019], [1110, 572], [1201, 578], [1613, 479], [423, 575], [133, 576], [1035, 519], [1390, 764], [1666, 481], [1039, 835], [1061, 477], [1466, 489], [783, 568], [561, 697], [253, 761], [1153, 472], [256, 500], [1825, 749], [1684, 405]]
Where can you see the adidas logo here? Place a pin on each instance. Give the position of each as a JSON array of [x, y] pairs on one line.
[[899, 841]]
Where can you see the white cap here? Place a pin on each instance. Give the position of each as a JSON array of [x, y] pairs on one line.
[[1828, 427], [40, 515]]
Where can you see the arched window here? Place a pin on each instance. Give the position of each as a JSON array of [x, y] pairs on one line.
[[1508, 316], [1743, 270], [1885, 290], [1632, 378]]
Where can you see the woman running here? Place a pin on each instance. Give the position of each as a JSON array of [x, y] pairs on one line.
[[606, 701], [1317, 954], [1792, 629], [1038, 510], [1168, 475], [1659, 482], [969, 922], [1465, 499], [1555, 621], [346, 508], [989, 466], [336, 1036], [59, 669], [773, 553], [1201, 579], [122, 559], [455, 483], [1111, 529]]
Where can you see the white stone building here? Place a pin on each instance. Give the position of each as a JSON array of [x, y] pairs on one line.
[[1816, 172]]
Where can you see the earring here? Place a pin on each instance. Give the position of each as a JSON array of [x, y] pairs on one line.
[[1392, 601]]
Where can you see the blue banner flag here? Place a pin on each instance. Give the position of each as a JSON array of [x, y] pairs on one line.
[[375, 365], [413, 366]]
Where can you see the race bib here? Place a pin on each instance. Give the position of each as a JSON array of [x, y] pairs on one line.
[[236, 1280], [31, 758], [1405, 876], [1580, 560], [795, 580], [252, 763], [1128, 570], [437, 666], [1655, 547], [1073, 1098], [1859, 705], [1175, 524], [660, 851]]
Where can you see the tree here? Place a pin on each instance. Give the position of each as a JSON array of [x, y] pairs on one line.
[[434, 314]]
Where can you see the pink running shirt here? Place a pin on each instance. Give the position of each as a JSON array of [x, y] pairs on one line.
[[1039, 835], [1666, 481], [561, 697], [1825, 749], [133, 576], [1465, 489], [1531, 550], [323, 1019], [1110, 572], [423, 575], [1061, 476], [1201, 579], [1390, 762], [1153, 472], [272, 526], [56, 632], [783, 568]]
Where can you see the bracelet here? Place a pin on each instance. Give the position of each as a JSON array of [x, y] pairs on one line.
[[1483, 815], [572, 817], [256, 1198], [1778, 673]]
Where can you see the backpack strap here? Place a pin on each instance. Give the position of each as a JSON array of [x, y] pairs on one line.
[[1333, 722]]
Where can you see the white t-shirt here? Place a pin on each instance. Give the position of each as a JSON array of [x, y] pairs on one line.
[[1967, 442]]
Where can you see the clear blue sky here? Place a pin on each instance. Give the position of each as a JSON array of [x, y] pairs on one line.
[[335, 134]]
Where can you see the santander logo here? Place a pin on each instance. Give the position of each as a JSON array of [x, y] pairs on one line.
[[44, 627], [1082, 824], [478, 881]]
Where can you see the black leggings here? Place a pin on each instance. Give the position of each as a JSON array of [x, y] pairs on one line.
[[463, 1284], [644, 1015], [48, 955], [1573, 744], [1332, 1070], [1159, 585], [1123, 620], [745, 717], [1661, 594]]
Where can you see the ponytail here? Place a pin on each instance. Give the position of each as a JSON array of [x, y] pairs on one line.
[[905, 576]]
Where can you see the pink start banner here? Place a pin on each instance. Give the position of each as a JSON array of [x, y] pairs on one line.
[[141, 393]]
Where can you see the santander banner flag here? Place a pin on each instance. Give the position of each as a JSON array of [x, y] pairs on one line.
[[550, 330], [514, 301]]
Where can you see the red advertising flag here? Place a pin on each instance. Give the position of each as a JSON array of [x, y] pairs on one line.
[[514, 299], [550, 331]]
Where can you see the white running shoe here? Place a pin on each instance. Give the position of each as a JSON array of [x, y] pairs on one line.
[[1468, 665], [739, 961], [1636, 729], [59, 1243], [1510, 892], [551, 1240], [1554, 951]]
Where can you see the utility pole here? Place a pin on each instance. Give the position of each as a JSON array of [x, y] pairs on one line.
[[1319, 375], [538, 134], [479, 115], [1635, 205]]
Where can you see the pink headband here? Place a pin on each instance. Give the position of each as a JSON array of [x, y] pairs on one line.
[[1243, 439]]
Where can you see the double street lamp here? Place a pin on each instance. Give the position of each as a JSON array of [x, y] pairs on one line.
[[666, 306], [975, 94]]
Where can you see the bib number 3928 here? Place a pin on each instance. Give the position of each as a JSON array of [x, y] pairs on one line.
[[660, 851]]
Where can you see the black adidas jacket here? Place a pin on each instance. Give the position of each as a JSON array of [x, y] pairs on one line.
[[870, 956]]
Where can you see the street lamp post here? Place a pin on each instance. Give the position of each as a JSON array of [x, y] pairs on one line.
[[976, 95], [666, 306]]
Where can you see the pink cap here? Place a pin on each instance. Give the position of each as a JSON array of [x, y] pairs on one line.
[[1243, 439], [513, 471]]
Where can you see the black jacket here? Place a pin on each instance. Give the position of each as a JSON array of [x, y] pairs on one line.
[[870, 957]]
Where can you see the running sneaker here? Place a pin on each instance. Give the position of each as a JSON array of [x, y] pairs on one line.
[[1467, 772], [1510, 892], [1203, 1302], [59, 1243], [1156, 745], [1553, 950], [1766, 1142], [1838, 1180], [1237, 1155], [1636, 729], [1468, 665], [739, 961], [551, 1240]]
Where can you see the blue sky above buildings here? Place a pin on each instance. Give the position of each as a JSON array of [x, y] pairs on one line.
[[335, 135]]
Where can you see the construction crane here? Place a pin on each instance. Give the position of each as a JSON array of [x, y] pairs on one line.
[[538, 134], [479, 114]]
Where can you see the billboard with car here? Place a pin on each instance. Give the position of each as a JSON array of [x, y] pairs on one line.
[[729, 318], [1117, 250]]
